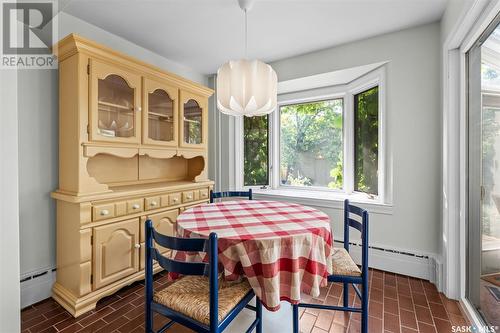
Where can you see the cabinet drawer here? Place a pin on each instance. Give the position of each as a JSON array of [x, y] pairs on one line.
[[135, 206], [187, 196], [151, 203], [174, 199], [104, 211], [204, 194]]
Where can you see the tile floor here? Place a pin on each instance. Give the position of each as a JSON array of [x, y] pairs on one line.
[[397, 304]]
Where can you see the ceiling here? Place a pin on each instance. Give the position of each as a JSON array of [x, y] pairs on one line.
[[203, 34]]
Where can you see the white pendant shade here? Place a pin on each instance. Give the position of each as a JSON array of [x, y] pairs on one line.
[[246, 87]]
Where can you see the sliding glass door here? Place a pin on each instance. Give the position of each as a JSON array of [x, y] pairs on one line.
[[483, 260]]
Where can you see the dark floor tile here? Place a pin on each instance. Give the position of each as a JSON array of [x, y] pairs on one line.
[[391, 306], [132, 324], [390, 292], [426, 328], [72, 328], [377, 295], [377, 283], [420, 299], [442, 325], [423, 314], [50, 322], [408, 319], [438, 311], [391, 323], [32, 322], [96, 316], [452, 307], [115, 324], [376, 309], [93, 327], [375, 325], [405, 302]]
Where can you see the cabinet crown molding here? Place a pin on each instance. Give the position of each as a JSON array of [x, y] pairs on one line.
[[74, 43]]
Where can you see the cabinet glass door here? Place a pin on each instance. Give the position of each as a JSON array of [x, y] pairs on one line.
[[193, 123], [160, 116], [115, 104]]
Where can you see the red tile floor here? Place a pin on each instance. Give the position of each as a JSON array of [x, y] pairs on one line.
[[397, 304]]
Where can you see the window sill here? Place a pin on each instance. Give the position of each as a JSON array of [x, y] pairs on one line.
[[324, 199]]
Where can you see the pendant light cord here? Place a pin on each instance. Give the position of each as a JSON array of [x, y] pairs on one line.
[[246, 35]]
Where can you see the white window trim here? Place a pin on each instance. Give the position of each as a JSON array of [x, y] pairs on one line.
[[347, 91]]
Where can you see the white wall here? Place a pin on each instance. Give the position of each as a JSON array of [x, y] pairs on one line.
[[413, 123], [38, 147], [9, 206]]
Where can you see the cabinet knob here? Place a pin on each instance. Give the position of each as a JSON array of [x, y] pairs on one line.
[[189, 197], [153, 203], [135, 206], [138, 109], [104, 212], [137, 246], [175, 199]]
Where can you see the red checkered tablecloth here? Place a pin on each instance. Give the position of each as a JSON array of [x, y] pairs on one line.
[[282, 248]]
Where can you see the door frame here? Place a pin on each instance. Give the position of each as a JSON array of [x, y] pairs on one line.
[[471, 24]]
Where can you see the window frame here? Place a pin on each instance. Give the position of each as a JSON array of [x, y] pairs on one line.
[[346, 91], [277, 115]]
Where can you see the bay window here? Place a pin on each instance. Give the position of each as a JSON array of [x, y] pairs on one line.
[[327, 139]]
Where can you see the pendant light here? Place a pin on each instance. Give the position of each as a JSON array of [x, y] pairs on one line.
[[246, 87]]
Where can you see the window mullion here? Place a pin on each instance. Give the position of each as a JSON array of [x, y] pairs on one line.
[[239, 152], [349, 143], [275, 148]]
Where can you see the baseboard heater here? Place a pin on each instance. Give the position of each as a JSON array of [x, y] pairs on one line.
[[37, 286], [397, 261], [36, 275], [421, 256]]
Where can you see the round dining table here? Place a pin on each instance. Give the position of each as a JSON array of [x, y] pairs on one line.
[[282, 248]]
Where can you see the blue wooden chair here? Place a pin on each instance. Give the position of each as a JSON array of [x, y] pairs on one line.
[[229, 194], [346, 271], [198, 299]]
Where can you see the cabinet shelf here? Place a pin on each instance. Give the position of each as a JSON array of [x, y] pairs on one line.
[[118, 106], [158, 114]]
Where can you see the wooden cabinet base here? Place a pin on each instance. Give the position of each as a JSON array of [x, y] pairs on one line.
[[100, 243], [81, 305]]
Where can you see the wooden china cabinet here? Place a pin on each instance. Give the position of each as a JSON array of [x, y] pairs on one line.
[[132, 146]]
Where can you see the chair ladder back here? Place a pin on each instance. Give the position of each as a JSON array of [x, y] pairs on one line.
[[180, 267], [229, 194], [179, 244]]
